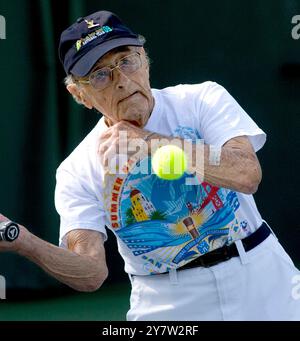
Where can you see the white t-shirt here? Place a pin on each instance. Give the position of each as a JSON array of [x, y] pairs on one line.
[[161, 224]]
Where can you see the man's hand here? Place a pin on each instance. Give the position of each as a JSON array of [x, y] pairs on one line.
[[124, 139], [4, 246], [3, 218]]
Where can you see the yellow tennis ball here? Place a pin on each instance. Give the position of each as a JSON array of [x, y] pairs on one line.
[[169, 162]]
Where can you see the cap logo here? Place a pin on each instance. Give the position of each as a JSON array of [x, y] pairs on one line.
[[91, 24], [90, 37]]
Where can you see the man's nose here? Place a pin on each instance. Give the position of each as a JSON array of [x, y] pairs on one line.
[[120, 78]]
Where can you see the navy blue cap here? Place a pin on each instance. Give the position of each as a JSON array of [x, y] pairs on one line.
[[89, 38]]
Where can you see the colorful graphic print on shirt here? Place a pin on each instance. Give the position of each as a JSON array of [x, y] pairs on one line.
[[165, 223]]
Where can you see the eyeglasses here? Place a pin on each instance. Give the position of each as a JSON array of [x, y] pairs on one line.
[[102, 78]]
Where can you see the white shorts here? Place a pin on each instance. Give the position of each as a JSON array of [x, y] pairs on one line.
[[259, 285]]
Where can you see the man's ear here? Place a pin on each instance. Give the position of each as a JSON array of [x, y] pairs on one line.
[[79, 95]]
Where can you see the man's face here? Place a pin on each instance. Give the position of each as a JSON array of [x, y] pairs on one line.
[[127, 97]]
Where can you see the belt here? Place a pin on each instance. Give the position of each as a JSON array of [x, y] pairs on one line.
[[226, 252]]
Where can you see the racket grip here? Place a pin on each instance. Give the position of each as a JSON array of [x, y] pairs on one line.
[[9, 231]]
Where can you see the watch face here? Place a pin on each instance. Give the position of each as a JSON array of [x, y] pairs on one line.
[[9, 231], [12, 232]]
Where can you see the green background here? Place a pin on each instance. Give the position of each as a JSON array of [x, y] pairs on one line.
[[244, 45]]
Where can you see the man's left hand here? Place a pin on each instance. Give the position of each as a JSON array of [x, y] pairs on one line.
[[125, 140]]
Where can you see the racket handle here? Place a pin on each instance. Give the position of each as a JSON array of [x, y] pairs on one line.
[[9, 231]]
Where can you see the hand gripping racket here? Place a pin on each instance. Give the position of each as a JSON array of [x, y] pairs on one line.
[[9, 231]]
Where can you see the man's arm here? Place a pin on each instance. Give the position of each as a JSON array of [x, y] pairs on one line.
[[82, 266], [239, 168]]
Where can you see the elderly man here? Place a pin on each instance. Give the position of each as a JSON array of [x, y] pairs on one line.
[[195, 248]]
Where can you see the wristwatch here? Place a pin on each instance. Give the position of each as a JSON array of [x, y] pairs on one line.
[[9, 231]]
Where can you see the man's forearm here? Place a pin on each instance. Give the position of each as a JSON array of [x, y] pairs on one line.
[[237, 170], [80, 272]]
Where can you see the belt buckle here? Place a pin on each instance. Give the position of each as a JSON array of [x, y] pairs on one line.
[[215, 257]]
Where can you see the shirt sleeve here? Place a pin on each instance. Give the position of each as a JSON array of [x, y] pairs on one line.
[[222, 118], [77, 205]]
